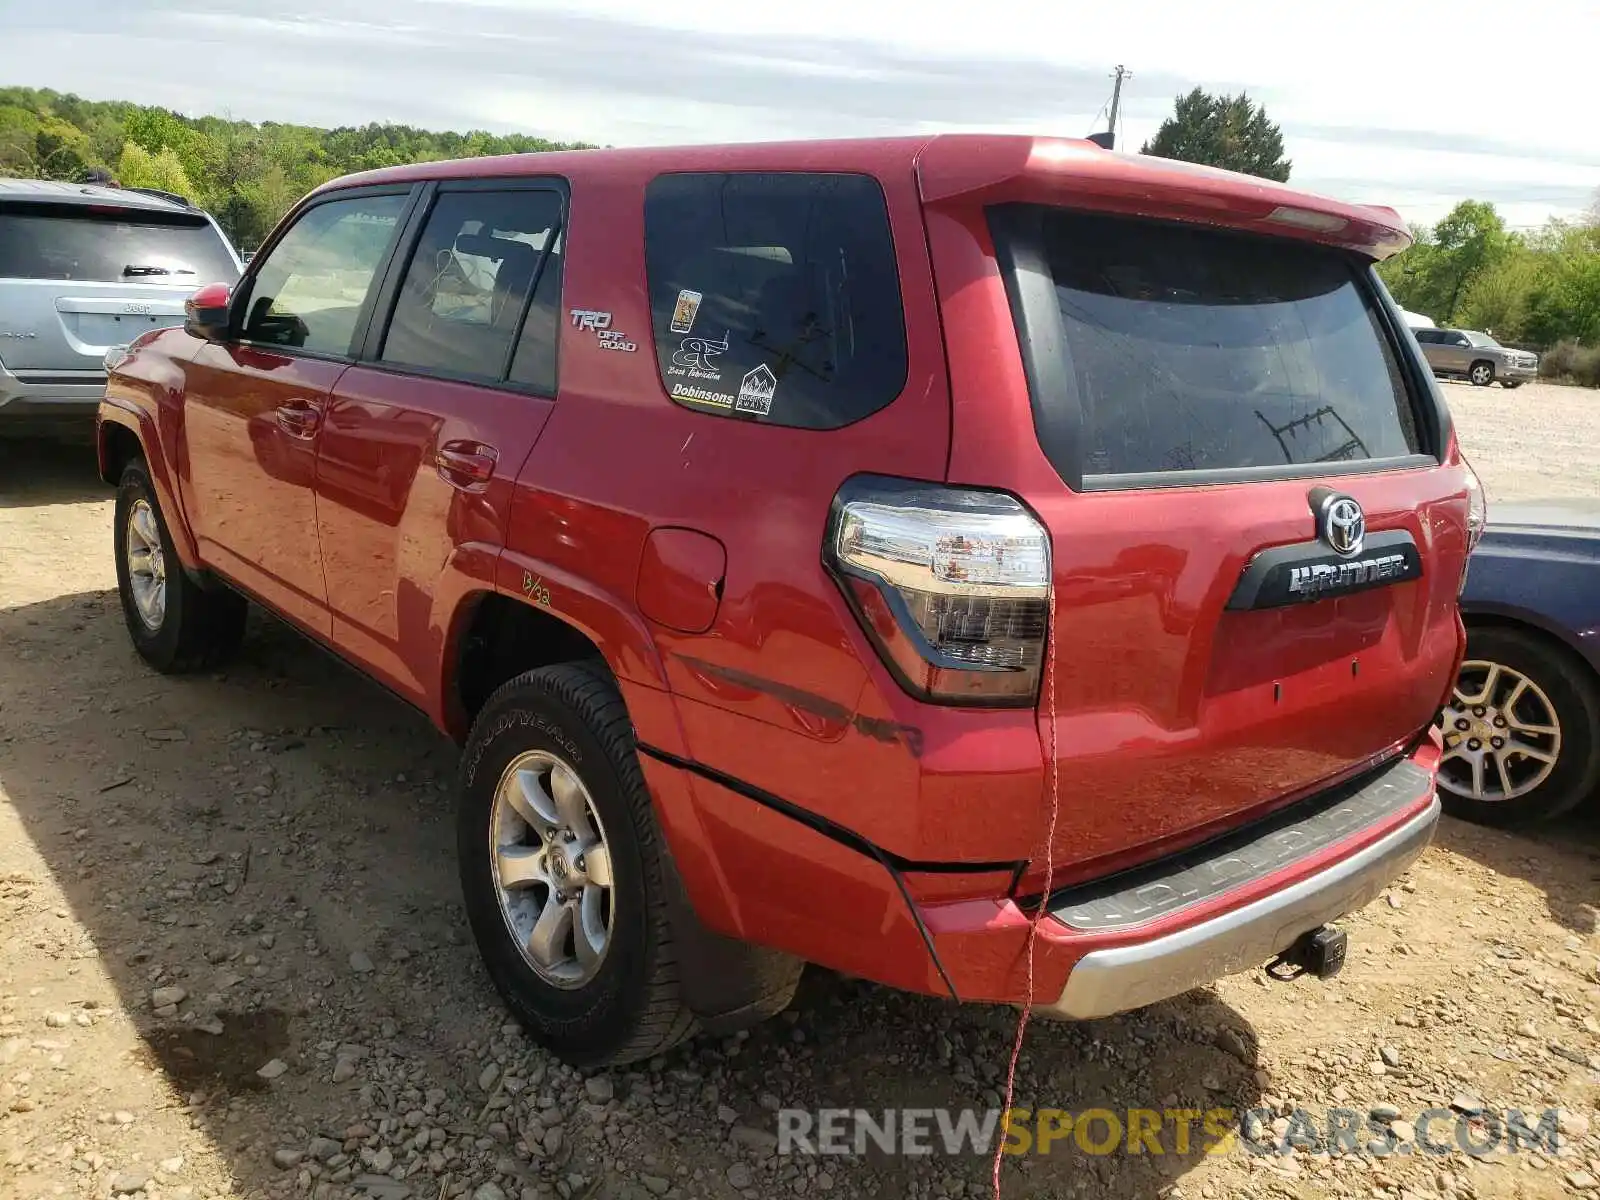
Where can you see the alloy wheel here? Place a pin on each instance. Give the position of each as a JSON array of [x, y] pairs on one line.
[[147, 565], [1502, 736], [551, 866]]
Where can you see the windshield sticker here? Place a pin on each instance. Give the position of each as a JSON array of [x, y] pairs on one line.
[[693, 358], [755, 391], [699, 395], [684, 313]]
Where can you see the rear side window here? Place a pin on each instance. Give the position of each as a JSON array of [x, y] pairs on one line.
[[69, 242], [467, 287], [775, 297], [1191, 349]]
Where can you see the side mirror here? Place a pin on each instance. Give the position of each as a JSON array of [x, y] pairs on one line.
[[206, 312]]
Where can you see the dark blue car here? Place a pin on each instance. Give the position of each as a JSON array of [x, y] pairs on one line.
[[1522, 732]]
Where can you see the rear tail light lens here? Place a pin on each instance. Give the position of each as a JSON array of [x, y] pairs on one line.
[[1477, 518], [952, 584], [1477, 507]]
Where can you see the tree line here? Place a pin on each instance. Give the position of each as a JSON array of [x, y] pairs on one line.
[[246, 175]]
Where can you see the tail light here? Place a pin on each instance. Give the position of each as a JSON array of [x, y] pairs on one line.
[[1477, 507], [1477, 518], [952, 585]]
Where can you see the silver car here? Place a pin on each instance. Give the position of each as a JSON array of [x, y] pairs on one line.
[[84, 268], [1477, 357]]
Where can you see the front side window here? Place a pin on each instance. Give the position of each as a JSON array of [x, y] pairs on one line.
[[1193, 349], [310, 288], [466, 290], [775, 297]]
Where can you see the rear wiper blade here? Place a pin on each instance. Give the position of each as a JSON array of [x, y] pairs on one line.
[[144, 270]]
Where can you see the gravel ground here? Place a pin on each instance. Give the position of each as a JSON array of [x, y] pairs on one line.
[[233, 964]]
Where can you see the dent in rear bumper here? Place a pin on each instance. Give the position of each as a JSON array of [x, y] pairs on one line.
[[1119, 978]]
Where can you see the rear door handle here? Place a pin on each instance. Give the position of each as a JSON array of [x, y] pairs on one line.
[[299, 418], [465, 464]]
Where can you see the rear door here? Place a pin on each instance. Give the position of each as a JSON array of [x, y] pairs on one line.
[[77, 279], [1256, 549], [424, 437]]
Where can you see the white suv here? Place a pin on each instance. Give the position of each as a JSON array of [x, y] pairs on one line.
[[84, 268]]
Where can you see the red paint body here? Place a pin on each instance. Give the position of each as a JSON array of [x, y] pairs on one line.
[[375, 508]]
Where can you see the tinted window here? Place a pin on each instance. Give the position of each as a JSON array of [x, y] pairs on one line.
[[309, 289], [125, 246], [1425, 336], [466, 288], [535, 361], [1194, 349], [775, 297]]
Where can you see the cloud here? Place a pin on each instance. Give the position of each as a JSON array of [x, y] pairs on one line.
[[720, 70]]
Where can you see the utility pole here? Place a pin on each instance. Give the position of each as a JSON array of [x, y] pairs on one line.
[[1116, 94], [1108, 139]]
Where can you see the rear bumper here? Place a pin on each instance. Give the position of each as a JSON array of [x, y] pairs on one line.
[[758, 869], [1123, 977], [45, 394]]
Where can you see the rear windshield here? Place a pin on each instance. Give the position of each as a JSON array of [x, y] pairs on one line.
[[1192, 349], [122, 247]]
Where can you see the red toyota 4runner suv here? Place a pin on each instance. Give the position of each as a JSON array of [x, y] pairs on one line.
[[792, 535]]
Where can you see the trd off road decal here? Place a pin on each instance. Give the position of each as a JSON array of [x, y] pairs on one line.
[[755, 391], [600, 323], [685, 311]]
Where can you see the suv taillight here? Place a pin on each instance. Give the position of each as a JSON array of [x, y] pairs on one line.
[[952, 585], [1477, 518], [1477, 507]]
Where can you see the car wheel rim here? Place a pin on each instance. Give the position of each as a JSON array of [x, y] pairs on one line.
[[1502, 737], [1480, 375], [551, 866], [147, 565]]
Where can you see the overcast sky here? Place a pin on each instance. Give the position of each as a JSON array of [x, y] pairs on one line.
[[1400, 102]]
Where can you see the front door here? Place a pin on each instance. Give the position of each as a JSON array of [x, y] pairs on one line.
[[254, 406], [424, 438]]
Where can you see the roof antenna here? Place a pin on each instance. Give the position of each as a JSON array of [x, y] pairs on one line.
[[1107, 140]]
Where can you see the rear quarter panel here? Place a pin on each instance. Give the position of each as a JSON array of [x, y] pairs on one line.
[[1549, 579]]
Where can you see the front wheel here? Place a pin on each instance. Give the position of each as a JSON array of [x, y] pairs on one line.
[[1521, 731], [1481, 374], [176, 624], [562, 872]]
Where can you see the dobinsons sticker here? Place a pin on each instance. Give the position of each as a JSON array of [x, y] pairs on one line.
[[755, 391]]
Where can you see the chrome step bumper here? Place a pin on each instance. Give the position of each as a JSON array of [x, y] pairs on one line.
[[1123, 977]]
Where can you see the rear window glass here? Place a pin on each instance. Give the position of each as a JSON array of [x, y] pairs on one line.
[[117, 248], [1198, 350], [775, 297]]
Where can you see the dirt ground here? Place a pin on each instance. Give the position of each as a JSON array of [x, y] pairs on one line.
[[233, 963]]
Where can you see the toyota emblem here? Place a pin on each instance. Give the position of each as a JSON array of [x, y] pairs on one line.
[[1342, 524]]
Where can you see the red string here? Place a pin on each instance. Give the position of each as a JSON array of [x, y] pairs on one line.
[[1039, 915]]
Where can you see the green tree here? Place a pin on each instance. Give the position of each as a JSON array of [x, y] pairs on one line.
[[137, 167], [1231, 132]]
